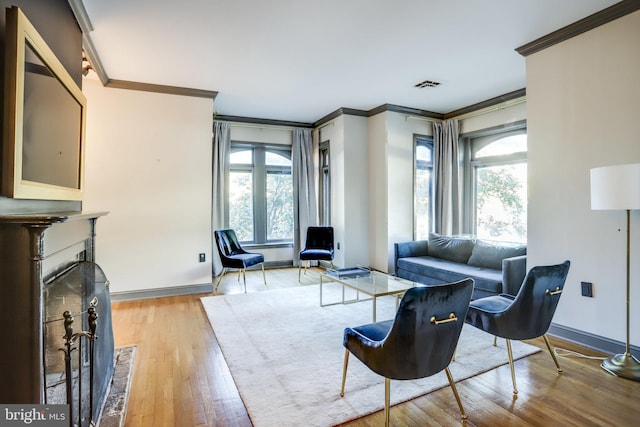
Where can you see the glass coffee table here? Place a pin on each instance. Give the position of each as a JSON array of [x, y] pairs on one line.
[[371, 283]]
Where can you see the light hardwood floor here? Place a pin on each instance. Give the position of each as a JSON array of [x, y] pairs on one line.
[[181, 378]]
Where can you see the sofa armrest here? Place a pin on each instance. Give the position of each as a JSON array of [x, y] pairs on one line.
[[409, 249], [513, 271]]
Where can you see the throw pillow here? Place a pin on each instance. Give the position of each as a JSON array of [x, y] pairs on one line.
[[456, 249], [490, 255]]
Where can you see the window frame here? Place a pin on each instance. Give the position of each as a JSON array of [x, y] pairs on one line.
[[259, 170], [422, 140], [324, 176], [472, 143]]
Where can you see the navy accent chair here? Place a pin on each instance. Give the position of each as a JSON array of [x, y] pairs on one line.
[[233, 256], [525, 316], [419, 342], [318, 246]]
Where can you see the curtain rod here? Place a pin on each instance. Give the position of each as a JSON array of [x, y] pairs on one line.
[[261, 127], [477, 113], [498, 107], [424, 119]]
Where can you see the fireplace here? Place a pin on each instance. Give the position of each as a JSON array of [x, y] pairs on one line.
[[55, 303], [78, 350]]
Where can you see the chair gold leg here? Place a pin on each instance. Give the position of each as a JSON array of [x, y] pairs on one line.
[[244, 279], [553, 355], [495, 341], [239, 273], [264, 278], [344, 371], [299, 268], [387, 386], [455, 392], [224, 271], [513, 372]]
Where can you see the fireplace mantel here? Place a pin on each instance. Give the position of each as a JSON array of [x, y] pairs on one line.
[[34, 250]]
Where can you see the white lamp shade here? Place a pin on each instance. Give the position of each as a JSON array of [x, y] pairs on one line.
[[615, 187]]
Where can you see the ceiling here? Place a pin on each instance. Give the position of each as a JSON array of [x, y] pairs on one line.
[[299, 60]]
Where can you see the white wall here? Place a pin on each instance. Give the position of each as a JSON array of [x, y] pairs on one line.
[[148, 162], [505, 113], [349, 163], [583, 101], [379, 194], [357, 190]]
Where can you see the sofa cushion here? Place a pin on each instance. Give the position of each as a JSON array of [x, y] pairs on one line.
[[430, 271], [454, 249], [490, 254]]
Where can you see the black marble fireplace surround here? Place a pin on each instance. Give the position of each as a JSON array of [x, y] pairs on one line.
[[55, 301]]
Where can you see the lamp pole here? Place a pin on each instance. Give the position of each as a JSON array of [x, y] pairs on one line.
[[625, 365]]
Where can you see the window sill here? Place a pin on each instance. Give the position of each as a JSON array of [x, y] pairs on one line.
[[254, 246]]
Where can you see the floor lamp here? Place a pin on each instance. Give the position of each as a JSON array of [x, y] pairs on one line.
[[618, 188]]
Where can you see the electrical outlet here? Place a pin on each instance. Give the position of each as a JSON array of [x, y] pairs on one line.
[[202, 257], [587, 289]]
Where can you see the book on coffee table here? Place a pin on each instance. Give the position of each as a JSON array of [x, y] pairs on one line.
[[350, 272]]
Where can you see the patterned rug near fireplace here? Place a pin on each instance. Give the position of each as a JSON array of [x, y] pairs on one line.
[[114, 411]]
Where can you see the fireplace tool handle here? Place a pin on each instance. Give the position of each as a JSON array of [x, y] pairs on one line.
[[69, 346]]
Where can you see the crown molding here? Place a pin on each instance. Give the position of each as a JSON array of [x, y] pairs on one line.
[[595, 20], [258, 121], [487, 104], [170, 90]]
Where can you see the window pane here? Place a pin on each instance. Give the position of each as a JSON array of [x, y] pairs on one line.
[[279, 206], [244, 157], [423, 203], [241, 205], [501, 204], [423, 153], [509, 145], [275, 159]]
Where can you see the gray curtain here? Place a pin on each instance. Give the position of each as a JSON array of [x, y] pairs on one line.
[[305, 211], [221, 149], [446, 173]]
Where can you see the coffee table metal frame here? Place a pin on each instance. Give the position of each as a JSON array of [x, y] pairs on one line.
[[375, 285]]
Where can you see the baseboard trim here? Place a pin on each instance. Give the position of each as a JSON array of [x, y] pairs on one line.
[[171, 291], [595, 342]]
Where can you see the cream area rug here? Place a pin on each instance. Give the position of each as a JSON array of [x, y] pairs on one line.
[[285, 354]]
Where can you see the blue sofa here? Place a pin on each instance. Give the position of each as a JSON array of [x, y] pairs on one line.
[[496, 268]]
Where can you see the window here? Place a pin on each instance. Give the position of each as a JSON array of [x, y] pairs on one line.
[[423, 172], [325, 185], [260, 193], [497, 189]]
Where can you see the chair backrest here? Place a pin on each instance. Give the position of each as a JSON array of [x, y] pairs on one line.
[[319, 238], [532, 310], [227, 243], [424, 336]]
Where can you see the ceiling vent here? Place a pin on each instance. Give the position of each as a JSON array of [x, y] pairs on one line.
[[426, 83]]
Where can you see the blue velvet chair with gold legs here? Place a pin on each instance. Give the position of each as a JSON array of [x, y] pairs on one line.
[[418, 342], [525, 316], [233, 256], [318, 247]]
